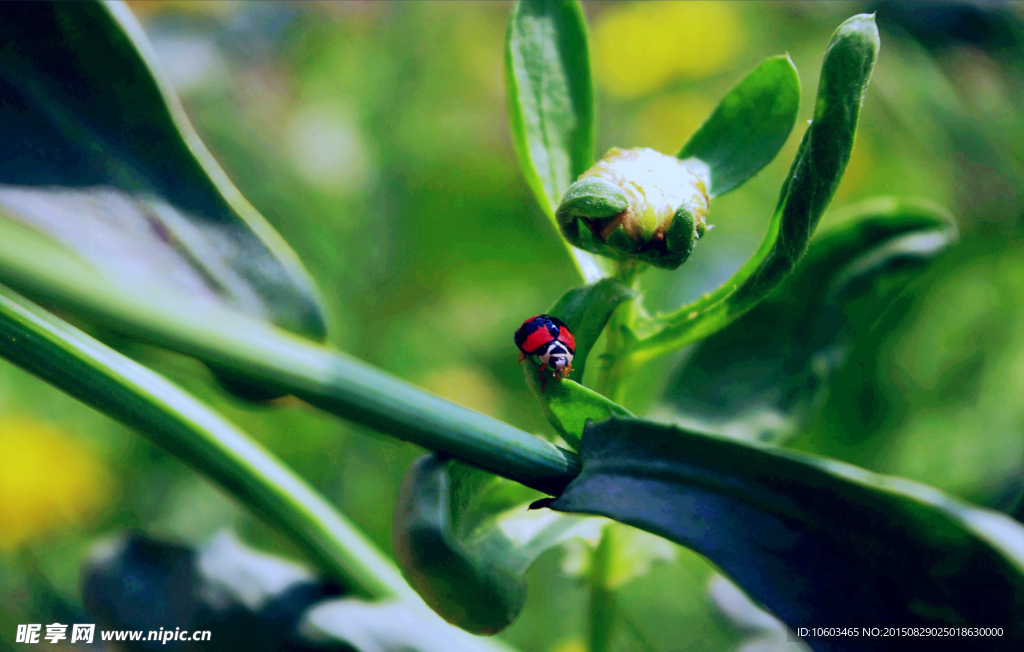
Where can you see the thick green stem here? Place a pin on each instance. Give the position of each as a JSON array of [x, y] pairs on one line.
[[616, 367], [612, 380], [48, 347], [323, 377], [354, 390], [607, 378], [601, 602], [170, 417], [611, 383]]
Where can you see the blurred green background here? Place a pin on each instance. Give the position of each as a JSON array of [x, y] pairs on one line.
[[374, 137]]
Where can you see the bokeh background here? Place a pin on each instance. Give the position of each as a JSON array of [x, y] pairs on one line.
[[374, 137]]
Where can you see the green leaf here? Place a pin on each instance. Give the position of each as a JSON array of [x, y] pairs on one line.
[[814, 540], [171, 418], [585, 311], [102, 174], [551, 104], [806, 194], [748, 127], [464, 540], [551, 99], [567, 404], [765, 375]]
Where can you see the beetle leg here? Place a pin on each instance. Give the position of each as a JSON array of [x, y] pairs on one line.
[[542, 380], [522, 356]]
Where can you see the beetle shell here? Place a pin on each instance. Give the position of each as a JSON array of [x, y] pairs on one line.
[[539, 331], [547, 338]]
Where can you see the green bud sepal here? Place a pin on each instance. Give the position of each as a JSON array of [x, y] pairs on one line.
[[636, 204]]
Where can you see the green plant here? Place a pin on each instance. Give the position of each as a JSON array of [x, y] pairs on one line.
[[815, 541]]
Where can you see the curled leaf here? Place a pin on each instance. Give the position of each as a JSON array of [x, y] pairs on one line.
[[812, 181], [464, 540], [568, 405]]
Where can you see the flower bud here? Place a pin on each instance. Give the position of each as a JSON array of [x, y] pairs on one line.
[[636, 203]]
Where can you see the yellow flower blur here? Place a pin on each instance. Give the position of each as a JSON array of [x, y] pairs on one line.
[[570, 645], [48, 480], [666, 122], [467, 386], [217, 8], [640, 47]]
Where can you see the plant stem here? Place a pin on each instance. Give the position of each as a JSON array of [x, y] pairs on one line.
[[611, 383], [611, 380], [317, 374], [171, 418], [601, 601], [617, 367]]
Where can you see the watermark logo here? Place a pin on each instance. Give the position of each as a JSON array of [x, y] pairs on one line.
[[85, 633], [82, 633], [56, 632], [28, 633]]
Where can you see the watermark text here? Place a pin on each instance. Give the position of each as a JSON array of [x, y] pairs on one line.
[[86, 633]]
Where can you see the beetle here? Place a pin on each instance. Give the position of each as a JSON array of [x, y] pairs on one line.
[[550, 340]]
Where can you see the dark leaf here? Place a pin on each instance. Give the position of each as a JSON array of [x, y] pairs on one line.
[[102, 176], [246, 599], [765, 375], [818, 542], [762, 631]]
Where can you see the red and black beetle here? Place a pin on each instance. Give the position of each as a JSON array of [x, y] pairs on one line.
[[547, 338]]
